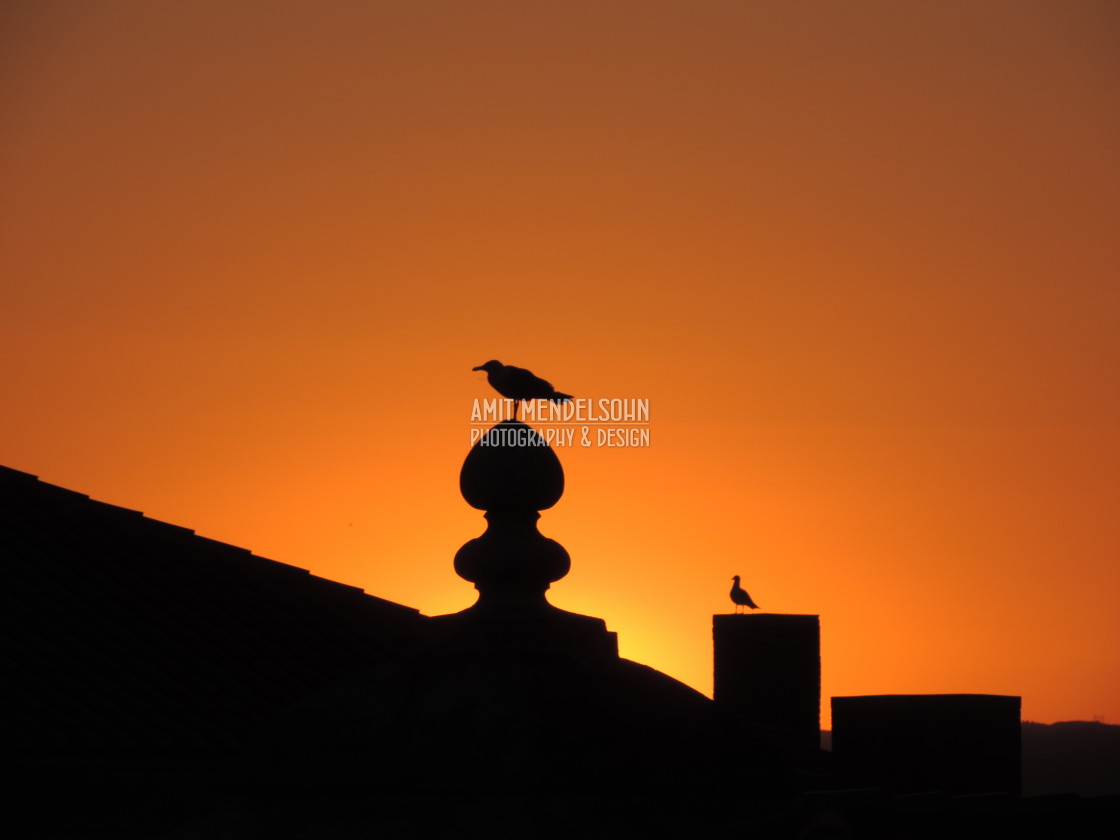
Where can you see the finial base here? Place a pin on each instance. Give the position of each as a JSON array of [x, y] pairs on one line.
[[512, 558]]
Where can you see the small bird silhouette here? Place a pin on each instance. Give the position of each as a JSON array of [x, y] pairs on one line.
[[740, 597], [519, 384]]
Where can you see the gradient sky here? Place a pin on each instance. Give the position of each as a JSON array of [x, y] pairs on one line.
[[861, 257]]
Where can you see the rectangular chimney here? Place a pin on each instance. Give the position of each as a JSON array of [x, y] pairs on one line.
[[768, 669]]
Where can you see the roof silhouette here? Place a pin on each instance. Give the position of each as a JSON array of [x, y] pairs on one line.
[[149, 664], [157, 680], [149, 636]]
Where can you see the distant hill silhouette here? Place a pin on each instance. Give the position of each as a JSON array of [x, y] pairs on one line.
[[1069, 757]]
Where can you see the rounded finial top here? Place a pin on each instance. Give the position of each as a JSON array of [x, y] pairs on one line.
[[511, 468]]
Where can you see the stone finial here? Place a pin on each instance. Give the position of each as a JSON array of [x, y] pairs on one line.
[[511, 473]]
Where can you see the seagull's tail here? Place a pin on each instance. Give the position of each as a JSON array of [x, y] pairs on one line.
[[558, 397]]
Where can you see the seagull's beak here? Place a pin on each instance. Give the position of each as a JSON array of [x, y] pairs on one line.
[[480, 367]]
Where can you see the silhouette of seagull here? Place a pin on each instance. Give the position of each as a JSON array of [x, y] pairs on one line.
[[518, 384], [740, 597]]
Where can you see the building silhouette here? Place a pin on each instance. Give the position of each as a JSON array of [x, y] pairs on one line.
[[958, 743], [160, 684]]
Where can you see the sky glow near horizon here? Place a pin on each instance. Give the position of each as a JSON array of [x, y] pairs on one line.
[[860, 258]]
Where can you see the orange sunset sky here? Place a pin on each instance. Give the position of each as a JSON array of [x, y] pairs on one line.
[[861, 258]]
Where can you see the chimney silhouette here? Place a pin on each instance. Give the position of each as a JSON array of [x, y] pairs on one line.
[[768, 670]]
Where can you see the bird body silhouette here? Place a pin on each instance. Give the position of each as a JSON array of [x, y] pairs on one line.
[[740, 597], [519, 384]]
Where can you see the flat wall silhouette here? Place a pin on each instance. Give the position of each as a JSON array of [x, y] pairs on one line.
[[956, 743], [768, 669]]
